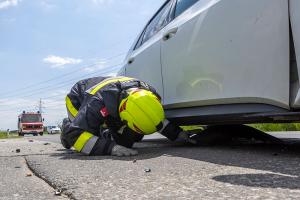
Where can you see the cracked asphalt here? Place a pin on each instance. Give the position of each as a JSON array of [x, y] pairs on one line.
[[240, 171], [17, 180]]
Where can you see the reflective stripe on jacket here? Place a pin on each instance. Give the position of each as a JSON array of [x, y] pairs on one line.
[[85, 103]]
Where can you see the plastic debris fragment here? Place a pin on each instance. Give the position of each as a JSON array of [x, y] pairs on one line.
[[28, 174], [58, 192], [147, 170]]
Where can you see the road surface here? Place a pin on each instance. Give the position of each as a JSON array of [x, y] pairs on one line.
[[162, 170]]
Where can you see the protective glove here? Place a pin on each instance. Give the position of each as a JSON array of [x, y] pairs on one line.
[[184, 136], [119, 150]]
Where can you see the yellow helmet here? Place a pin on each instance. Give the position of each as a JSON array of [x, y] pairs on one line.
[[142, 111]]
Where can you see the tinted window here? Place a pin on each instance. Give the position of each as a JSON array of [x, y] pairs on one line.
[[27, 118], [183, 5], [158, 22], [139, 43]]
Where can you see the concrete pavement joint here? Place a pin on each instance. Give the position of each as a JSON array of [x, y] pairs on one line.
[[64, 192], [17, 156]]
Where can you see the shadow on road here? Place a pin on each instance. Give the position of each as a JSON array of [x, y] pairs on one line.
[[279, 162], [266, 180]]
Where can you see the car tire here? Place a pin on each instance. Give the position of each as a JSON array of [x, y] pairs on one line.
[[21, 134], [35, 134], [41, 134]]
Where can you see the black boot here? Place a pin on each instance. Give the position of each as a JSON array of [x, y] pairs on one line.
[[66, 122]]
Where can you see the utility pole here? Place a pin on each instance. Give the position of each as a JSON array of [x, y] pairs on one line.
[[41, 106]]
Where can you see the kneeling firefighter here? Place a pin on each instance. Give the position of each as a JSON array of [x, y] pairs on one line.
[[108, 114]]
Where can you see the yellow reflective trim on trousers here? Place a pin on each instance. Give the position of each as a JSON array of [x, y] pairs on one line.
[[82, 140], [70, 107], [106, 82]]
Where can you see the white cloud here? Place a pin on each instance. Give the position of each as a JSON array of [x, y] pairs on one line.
[[111, 74], [98, 66], [100, 2], [8, 3], [47, 6], [60, 62]]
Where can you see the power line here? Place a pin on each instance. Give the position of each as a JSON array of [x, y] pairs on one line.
[[62, 84], [53, 96], [43, 82], [69, 82], [61, 76], [21, 108]]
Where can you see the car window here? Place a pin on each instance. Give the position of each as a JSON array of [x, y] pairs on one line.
[[156, 24], [183, 5], [139, 43]]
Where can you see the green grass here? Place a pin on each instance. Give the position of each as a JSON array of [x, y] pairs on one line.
[[263, 127], [191, 128], [3, 135], [277, 127]]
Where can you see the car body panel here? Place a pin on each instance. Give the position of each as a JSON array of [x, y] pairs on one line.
[[295, 25], [228, 51], [227, 60], [146, 64]]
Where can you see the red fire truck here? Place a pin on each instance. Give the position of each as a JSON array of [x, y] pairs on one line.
[[30, 123]]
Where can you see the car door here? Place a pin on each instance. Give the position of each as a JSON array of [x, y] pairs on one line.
[[143, 62], [225, 52], [295, 73]]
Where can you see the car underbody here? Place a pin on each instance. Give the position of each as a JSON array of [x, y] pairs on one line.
[[232, 114]]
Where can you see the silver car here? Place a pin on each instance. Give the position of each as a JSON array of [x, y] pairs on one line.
[[222, 61]]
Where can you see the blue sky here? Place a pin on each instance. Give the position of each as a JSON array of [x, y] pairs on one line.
[[48, 45]]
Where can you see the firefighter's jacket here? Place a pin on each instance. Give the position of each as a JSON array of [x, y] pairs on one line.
[[93, 104]]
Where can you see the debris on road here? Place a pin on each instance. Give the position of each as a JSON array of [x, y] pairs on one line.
[[58, 192], [18, 150], [30, 140], [17, 167], [134, 161], [28, 174], [47, 143], [147, 170]]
